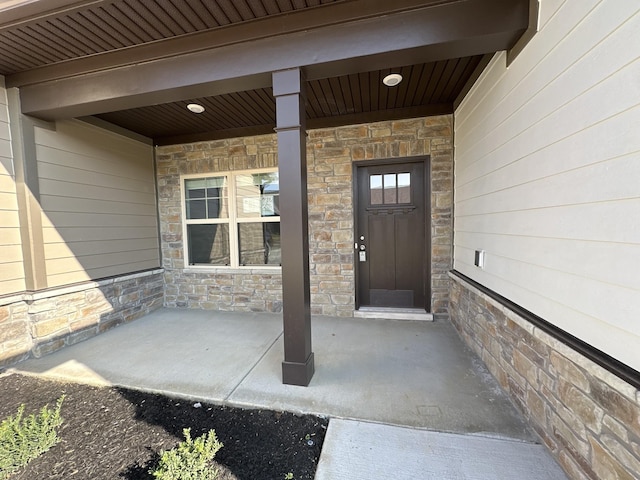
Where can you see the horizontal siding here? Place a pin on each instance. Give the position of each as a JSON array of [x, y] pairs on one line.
[[72, 219], [97, 193], [8, 200], [7, 183], [91, 179], [92, 234], [605, 264], [12, 272], [9, 219], [66, 278], [101, 164], [578, 38], [76, 190], [9, 236], [57, 203], [106, 261], [623, 143], [601, 222], [546, 174], [11, 266], [81, 249]]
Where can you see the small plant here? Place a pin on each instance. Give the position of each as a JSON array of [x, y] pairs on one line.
[[23, 439], [288, 476], [190, 459]]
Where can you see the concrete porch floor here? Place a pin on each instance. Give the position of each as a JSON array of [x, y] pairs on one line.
[[390, 388]]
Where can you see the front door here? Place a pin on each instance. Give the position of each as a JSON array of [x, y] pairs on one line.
[[392, 251]]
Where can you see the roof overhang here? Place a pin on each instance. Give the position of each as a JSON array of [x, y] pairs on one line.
[[243, 58]]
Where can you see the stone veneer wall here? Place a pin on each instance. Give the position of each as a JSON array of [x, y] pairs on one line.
[[587, 417], [35, 324], [330, 153]]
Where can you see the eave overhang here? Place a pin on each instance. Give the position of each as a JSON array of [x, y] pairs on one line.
[[351, 37]]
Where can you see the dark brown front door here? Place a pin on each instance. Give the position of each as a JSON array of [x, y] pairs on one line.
[[391, 256]]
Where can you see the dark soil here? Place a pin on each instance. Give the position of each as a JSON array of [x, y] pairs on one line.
[[115, 433]]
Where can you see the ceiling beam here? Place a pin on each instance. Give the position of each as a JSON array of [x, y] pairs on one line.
[[446, 30], [273, 25]]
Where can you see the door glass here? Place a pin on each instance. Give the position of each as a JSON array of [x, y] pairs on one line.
[[375, 187], [390, 188], [390, 192], [404, 188]]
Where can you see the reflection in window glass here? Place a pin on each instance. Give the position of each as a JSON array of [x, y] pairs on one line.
[[259, 243], [390, 195], [208, 244], [375, 189], [404, 188], [390, 188], [258, 195], [232, 219], [196, 209], [206, 198]]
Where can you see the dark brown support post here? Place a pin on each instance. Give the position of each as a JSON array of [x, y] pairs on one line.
[[288, 90]]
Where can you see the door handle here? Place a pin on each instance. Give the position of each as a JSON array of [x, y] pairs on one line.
[[362, 254]]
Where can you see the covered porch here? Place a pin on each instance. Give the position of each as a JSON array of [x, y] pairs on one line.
[[387, 397], [97, 148], [292, 69]]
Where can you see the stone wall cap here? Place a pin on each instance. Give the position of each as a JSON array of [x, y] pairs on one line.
[[12, 298], [232, 270], [79, 287]]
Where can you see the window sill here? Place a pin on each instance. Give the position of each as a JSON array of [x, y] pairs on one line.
[[255, 269]]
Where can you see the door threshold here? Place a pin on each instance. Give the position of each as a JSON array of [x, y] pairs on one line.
[[392, 313]]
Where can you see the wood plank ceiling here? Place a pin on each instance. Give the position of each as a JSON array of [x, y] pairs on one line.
[[91, 28]]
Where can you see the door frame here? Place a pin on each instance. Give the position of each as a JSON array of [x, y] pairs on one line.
[[426, 161]]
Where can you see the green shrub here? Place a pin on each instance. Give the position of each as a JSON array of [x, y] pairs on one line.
[[190, 460], [23, 439]]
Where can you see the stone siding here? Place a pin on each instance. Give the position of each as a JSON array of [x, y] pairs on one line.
[[259, 289], [330, 154], [587, 417], [40, 323]]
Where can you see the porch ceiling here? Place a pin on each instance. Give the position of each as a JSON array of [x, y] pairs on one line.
[[48, 46]]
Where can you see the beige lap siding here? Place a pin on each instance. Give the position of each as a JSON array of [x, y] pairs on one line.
[[12, 277], [547, 166], [546, 174], [98, 203]]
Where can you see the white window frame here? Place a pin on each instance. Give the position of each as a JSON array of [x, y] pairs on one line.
[[233, 221]]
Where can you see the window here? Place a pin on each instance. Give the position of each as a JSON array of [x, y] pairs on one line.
[[390, 188], [232, 219]]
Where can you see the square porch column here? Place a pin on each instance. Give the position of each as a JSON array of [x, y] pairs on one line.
[[288, 90]]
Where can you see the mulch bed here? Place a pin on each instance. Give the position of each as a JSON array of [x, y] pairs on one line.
[[115, 433]]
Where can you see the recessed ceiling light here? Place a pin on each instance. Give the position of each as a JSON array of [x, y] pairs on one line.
[[392, 79], [195, 107]]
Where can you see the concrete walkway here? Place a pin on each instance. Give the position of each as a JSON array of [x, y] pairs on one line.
[[387, 386]]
